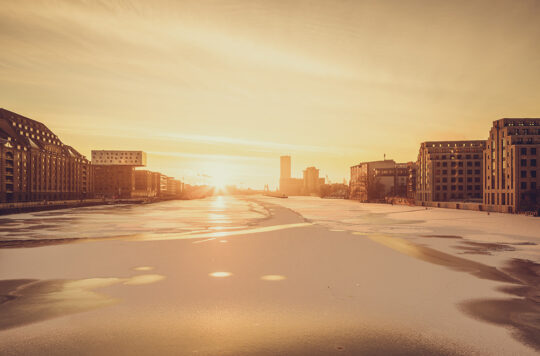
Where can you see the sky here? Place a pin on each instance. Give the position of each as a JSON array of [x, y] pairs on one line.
[[216, 91]]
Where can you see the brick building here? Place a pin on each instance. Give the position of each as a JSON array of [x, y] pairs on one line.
[[35, 165]]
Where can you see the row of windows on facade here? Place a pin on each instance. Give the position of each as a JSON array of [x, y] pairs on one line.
[[26, 127], [434, 157], [101, 154], [457, 187], [455, 144], [111, 161], [454, 171], [532, 151], [50, 155], [458, 164], [456, 196], [532, 174], [454, 180], [520, 132]]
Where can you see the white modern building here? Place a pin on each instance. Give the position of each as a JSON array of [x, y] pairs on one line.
[[119, 158]]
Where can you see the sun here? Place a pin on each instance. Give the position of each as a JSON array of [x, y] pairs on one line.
[[220, 176]]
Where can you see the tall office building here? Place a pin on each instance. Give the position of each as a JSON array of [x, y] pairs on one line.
[[35, 165], [449, 171], [285, 167], [511, 179], [288, 185], [311, 182]]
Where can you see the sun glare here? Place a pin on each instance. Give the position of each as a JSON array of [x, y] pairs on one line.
[[220, 176]]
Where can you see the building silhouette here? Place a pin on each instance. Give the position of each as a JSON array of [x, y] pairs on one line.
[[287, 184], [311, 182], [377, 180]]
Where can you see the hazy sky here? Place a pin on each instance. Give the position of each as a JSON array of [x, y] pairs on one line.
[[225, 87]]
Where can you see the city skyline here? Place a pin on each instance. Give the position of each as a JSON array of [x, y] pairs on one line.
[[224, 89]]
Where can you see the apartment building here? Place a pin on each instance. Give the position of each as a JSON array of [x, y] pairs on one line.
[[450, 171], [35, 165], [511, 170]]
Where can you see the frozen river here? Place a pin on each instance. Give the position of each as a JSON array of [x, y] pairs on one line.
[[266, 276]]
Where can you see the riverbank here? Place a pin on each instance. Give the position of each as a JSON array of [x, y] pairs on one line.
[[28, 207]]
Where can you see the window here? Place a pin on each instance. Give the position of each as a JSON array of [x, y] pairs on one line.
[[469, 171], [533, 151], [533, 162], [469, 187], [477, 187], [533, 174], [523, 185], [469, 164], [533, 185], [476, 171], [523, 163], [523, 174], [523, 151]]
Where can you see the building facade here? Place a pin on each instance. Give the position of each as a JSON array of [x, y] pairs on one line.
[[511, 169], [174, 187], [116, 182], [146, 184], [411, 182], [114, 172], [287, 184], [35, 165], [311, 182], [376, 180], [119, 158], [450, 171]]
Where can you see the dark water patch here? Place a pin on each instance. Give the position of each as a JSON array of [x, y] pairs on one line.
[[28, 301], [526, 243], [437, 257], [443, 236], [521, 313], [482, 248], [19, 243]]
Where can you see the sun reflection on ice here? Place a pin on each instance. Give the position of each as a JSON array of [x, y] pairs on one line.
[[220, 274]]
